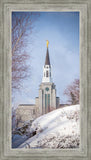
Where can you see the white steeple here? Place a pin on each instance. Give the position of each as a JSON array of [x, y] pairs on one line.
[[47, 68]]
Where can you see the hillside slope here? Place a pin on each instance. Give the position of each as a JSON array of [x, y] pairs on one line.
[[56, 129]]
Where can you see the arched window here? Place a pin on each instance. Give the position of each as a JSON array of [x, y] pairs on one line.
[[46, 73]]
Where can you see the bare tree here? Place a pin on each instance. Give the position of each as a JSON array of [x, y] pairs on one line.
[[13, 119], [18, 120], [22, 26], [72, 91]]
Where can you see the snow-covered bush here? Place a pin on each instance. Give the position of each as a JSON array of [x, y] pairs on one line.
[[60, 142], [56, 129]]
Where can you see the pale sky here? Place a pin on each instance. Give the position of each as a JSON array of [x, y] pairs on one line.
[[62, 31]]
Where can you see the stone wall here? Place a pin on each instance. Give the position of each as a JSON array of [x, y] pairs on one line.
[[25, 113]]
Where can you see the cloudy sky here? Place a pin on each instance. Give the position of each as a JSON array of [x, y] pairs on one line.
[[62, 31]]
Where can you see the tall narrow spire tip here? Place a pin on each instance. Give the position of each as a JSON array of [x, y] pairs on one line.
[[47, 60]]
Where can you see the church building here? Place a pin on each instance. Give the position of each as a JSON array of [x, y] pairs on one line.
[[46, 101]]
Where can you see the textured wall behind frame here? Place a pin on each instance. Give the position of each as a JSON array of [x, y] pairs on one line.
[[85, 68]]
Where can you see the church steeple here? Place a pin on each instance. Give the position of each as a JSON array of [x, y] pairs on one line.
[[47, 60], [47, 68]]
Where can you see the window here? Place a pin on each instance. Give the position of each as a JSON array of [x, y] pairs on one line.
[[46, 73], [33, 111]]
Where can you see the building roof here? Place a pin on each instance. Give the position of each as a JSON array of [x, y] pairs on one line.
[[63, 105], [26, 104], [47, 60]]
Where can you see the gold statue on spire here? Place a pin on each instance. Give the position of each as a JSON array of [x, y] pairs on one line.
[[47, 43]]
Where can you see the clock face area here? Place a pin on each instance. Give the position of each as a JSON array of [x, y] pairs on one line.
[[47, 89]]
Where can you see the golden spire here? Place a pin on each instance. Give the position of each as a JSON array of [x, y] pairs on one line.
[[47, 43]]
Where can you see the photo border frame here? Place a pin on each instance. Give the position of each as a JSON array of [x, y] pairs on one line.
[[84, 7]]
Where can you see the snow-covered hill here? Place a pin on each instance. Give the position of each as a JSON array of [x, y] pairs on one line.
[[56, 129]]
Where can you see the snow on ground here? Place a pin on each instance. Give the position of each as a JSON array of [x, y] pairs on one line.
[[56, 129]]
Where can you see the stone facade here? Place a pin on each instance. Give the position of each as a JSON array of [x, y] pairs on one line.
[[47, 97]]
